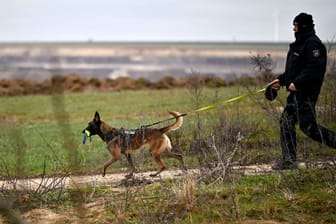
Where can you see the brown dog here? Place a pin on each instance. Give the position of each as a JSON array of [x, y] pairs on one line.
[[124, 142]]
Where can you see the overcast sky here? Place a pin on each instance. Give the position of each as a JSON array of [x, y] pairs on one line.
[[160, 20]]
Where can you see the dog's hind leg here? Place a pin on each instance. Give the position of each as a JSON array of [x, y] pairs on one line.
[[168, 153], [177, 156], [130, 161]]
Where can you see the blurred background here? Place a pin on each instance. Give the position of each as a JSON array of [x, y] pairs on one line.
[[149, 39]]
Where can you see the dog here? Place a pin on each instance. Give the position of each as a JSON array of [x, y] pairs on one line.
[[121, 142]]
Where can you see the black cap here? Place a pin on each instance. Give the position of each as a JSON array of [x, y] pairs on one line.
[[271, 93], [304, 21]]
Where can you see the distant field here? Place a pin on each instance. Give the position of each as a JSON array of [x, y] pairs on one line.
[[152, 61]]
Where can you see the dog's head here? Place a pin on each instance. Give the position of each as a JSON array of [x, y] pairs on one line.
[[93, 127]]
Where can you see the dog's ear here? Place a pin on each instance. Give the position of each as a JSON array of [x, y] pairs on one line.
[[96, 117]]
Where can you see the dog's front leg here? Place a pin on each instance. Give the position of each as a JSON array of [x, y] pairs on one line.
[[161, 165], [108, 163], [130, 161]]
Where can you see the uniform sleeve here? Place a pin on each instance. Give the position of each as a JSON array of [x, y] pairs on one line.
[[281, 78], [313, 65]]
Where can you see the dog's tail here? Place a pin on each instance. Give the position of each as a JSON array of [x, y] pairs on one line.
[[176, 125]]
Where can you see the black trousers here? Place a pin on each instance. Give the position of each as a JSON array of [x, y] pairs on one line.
[[301, 109]]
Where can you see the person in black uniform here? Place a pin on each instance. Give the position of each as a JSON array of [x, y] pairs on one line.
[[303, 77]]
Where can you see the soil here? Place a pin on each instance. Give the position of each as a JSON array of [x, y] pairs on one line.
[[117, 179], [94, 210]]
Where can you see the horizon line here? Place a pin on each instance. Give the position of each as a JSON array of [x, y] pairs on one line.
[[141, 42]]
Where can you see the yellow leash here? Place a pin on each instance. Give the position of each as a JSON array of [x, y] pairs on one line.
[[208, 107], [233, 99]]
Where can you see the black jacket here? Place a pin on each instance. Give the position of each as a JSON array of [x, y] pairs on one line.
[[305, 65]]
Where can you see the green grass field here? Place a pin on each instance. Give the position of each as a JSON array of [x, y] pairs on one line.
[[42, 133], [43, 128], [46, 129]]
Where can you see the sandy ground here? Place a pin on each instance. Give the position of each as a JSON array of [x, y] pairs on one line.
[[115, 179], [111, 179], [95, 210]]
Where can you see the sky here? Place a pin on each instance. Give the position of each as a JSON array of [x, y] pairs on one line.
[[161, 20]]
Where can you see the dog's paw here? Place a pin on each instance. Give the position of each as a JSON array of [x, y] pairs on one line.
[[129, 176], [103, 174], [153, 175]]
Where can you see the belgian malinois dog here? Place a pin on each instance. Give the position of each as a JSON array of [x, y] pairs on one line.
[[122, 142]]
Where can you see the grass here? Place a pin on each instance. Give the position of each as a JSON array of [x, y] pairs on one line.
[[264, 197], [49, 128], [301, 196], [125, 104], [46, 130]]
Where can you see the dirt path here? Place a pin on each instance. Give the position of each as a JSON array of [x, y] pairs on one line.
[[116, 179]]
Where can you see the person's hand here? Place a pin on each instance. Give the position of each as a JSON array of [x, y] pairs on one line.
[[275, 84], [292, 87], [271, 90]]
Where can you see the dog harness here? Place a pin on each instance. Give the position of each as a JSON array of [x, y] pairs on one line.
[[128, 137]]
